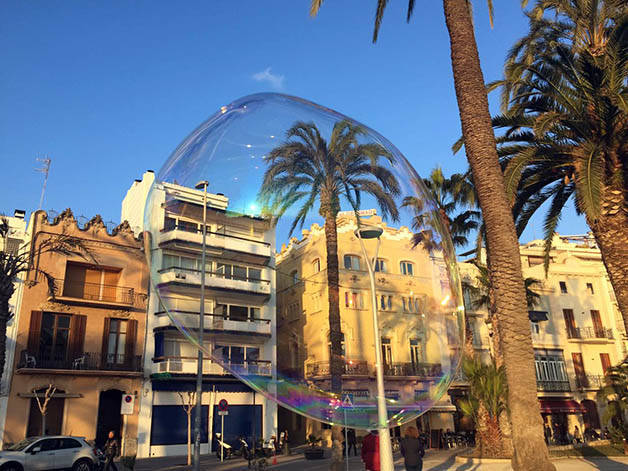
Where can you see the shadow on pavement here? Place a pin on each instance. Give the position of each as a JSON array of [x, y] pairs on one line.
[[605, 463]]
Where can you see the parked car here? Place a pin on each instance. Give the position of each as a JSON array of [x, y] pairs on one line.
[[48, 453]]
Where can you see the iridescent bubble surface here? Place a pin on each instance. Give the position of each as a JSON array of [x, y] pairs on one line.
[[289, 182]]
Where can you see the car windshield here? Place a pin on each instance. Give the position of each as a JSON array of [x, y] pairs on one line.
[[21, 445]]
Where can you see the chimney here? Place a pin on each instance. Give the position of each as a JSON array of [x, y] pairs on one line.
[[19, 213]]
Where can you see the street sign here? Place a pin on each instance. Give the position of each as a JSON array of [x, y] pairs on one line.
[[223, 405], [126, 406], [223, 412], [347, 400]]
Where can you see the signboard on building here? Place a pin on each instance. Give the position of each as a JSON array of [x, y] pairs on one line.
[[127, 404]]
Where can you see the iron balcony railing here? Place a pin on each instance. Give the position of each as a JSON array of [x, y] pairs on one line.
[[590, 333], [593, 382], [552, 386], [360, 367], [196, 230], [82, 361], [97, 292]]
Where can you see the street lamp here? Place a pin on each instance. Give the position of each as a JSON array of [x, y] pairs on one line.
[[202, 185], [385, 447]]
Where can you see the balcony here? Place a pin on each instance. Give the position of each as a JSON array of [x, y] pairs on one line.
[[351, 368], [217, 322], [362, 368], [256, 250], [590, 333], [215, 280], [590, 382], [188, 365], [425, 370], [79, 364], [96, 294], [552, 386]]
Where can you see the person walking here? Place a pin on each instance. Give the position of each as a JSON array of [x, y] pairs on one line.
[[412, 450], [370, 451], [352, 442], [336, 450], [111, 452], [577, 436]]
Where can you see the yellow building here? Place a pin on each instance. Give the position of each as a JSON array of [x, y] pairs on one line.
[[417, 349], [577, 330]]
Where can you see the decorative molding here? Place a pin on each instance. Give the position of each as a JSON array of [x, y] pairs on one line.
[[54, 306]]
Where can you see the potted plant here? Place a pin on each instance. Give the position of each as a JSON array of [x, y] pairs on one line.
[[314, 451]]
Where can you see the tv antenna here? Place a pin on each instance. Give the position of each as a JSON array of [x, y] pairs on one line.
[[45, 169]]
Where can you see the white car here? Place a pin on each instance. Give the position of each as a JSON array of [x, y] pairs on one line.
[[49, 453]]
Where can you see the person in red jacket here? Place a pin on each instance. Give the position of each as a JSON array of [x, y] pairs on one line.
[[370, 451]]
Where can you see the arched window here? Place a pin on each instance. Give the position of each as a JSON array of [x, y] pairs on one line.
[[316, 265], [406, 268]]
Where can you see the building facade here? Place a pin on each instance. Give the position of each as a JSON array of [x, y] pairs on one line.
[[577, 331], [239, 322], [417, 350], [13, 242], [80, 334]]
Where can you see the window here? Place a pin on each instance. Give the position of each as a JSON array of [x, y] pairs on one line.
[[550, 365], [381, 265], [55, 333], [237, 354], [352, 262], [117, 341], [563, 287], [316, 265], [255, 275], [386, 351], [385, 302], [354, 300], [590, 288], [570, 324], [186, 263], [12, 246], [392, 394], [294, 276], [535, 328], [606, 362], [236, 312], [416, 352], [90, 282], [598, 327], [407, 268], [69, 443]]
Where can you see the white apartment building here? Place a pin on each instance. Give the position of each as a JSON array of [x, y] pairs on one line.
[[577, 330], [239, 321], [14, 240]]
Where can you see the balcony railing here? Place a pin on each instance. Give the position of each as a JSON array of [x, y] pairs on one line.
[[240, 324], [196, 230], [360, 367], [83, 361], [187, 365], [592, 382], [552, 386], [589, 333], [215, 279], [97, 292]]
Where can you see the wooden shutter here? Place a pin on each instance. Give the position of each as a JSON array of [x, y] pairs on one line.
[[105, 341], [578, 366], [92, 284], [606, 361], [597, 324], [34, 332], [570, 323], [129, 348], [110, 283], [74, 281], [77, 336]]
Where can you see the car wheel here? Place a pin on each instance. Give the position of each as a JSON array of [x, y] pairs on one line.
[[11, 467], [82, 465]]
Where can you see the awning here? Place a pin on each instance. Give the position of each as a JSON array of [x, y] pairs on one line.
[[569, 406], [537, 316]]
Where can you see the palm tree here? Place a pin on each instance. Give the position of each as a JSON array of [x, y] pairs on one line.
[[449, 194], [307, 169], [566, 127], [615, 395], [502, 242]]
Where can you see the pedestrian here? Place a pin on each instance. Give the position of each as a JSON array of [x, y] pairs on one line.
[[286, 441], [547, 432], [352, 442], [577, 436], [111, 452], [336, 450], [412, 450], [370, 451]]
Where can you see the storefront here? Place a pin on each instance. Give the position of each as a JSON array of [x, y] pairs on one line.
[[561, 416]]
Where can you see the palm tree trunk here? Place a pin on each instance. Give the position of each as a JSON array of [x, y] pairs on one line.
[[4, 317], [530, 450], [611, 233], [336, 365]]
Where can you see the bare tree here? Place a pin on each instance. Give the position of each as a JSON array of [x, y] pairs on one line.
[[189, 402], [43, 406]]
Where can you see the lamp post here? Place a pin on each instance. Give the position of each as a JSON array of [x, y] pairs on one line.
[[201, 326], [385, 447]]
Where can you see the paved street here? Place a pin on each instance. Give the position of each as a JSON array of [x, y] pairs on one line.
[[434, 461]]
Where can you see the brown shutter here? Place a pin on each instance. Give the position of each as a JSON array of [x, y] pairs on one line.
[[606, 361], [34, 332], [105, 341], [598, 327], [77, 336], [578, 366], [570, 323], [129, 348]]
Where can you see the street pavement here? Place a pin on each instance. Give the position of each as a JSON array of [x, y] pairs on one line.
[[435, 460]]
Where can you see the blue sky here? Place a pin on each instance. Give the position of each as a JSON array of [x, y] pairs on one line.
[[109, 89]]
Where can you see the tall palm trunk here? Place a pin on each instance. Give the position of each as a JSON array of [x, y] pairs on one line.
[[336, 365], [611, 234], [530, 450], [4, 318]]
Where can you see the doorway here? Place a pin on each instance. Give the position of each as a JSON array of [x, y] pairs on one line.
[[109, 418]]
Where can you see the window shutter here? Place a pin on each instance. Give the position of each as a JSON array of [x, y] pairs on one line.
[[129, 348], [34, 332], [105, 341], [77, 336]]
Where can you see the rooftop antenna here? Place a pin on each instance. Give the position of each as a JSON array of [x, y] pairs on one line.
[[45, 169]]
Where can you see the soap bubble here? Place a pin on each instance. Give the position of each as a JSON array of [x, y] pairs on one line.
[[288, 181]]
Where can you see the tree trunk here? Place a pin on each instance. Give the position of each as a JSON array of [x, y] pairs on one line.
[[336, 366], [530, 450], [190, 438], [611, 234], [43, 423], [4, 317]]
